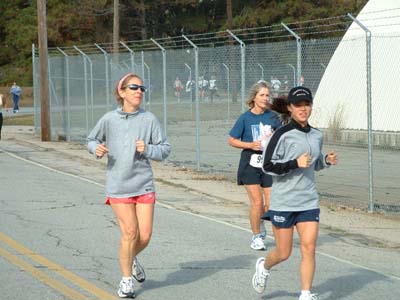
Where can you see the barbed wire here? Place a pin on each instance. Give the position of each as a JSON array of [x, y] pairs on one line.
[[317, 20], [340, 24]]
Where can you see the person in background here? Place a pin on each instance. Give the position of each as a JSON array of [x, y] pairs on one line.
[[203, 86], [292, 156], [250, 133], [15, 92], [178, 87], [3, 104], [213, 88], [130, 137]]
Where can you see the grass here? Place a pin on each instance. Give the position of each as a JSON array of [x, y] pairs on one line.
[[336, 123], [27, 120]]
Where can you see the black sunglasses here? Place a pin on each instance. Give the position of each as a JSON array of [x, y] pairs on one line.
[[135, 87]]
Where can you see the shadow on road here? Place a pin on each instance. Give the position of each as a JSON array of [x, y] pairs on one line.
[[193, 271], [344, 286]]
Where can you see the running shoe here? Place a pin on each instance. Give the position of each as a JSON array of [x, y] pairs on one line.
[[257, 243], [308, 297], [126, 289], [260, 277], [138, 271]]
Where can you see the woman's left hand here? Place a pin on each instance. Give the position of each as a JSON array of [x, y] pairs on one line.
[[140, 146], [332, 158]]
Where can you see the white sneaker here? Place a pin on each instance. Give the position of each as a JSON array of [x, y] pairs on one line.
[[260, 277], [257, 243], [126, 289], [308, 297], [263, 230], [138, 271]]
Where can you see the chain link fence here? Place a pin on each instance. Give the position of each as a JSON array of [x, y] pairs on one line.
[[320, 54]]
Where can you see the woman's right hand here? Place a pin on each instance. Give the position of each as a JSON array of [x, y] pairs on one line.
[[101, 150], [304, 160], [256, 146]]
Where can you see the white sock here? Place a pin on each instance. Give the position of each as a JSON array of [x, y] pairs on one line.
[[126, 279], [305, 293], [263, 269]]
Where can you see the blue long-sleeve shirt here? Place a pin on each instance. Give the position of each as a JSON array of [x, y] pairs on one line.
[[129, 172]]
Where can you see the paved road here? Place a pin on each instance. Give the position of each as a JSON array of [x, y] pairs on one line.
[[57, 241]]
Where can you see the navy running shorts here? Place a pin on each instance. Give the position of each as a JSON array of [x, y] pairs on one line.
[[248, 174], [288, 219]]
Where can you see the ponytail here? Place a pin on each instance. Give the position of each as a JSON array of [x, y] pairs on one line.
[[279, 104]]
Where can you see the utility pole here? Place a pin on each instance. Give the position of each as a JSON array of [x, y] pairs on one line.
[[116, 31], [43, 71]]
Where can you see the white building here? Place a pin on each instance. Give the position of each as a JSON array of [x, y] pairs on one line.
[[343, 87]]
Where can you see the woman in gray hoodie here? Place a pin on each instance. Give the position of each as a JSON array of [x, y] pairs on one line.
[[292, 155], [130, 136]]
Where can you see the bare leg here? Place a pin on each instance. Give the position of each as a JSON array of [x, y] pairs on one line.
[[308, 234], [283, 249], [256, 206], [126, 216], [144, 214], [267, 197]]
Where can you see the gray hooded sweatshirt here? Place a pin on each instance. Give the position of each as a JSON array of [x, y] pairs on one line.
[[293, 188], [129, 172]]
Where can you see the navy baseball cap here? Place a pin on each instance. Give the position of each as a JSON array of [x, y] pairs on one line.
[[298, 94]]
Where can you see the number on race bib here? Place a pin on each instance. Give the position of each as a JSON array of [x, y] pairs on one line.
[[256, 160]]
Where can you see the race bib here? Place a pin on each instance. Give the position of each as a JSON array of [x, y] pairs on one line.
[[256, 160]]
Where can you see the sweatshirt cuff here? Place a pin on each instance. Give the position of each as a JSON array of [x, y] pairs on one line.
[[147, 151], [293, 164], [326, 163]]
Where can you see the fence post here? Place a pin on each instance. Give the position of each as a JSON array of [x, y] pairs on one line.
[[91, 89], [243, 65], [49, 94], [228, 88], [190, 95], [190, 76], [143, 75], [369, 112], [294, 73], [298, 42], [149, 84], [107, 77], [196, 76], [132, 54], [86, 91], [66, 59], [35, 96], [164, 83], [262, 71]]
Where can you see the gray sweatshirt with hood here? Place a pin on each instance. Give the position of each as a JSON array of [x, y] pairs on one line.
[[129, 172], [293, 188]]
